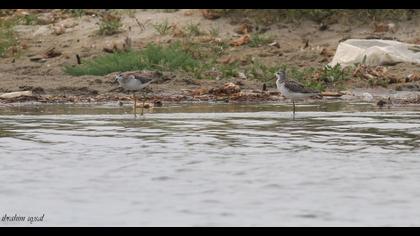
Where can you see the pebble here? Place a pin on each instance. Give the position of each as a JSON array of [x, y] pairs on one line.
[[367, 97]]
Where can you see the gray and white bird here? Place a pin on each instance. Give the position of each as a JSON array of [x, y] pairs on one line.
[[292, 89], [136, 81]]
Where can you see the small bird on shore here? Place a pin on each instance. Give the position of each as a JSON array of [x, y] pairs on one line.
[[292, 89], [136, 81]]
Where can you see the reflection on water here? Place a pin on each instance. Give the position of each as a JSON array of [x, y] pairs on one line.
[[201, 165]]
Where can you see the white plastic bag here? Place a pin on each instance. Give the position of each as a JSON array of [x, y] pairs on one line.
[[375, 52]]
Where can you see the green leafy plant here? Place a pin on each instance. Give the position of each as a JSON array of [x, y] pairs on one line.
[[258, 40], [7, 37], [110, 24], [163, 28], [193, 29], [153, 57]]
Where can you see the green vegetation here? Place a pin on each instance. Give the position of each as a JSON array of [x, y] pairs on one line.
[[258, 40], [193, 29], [269, 16], [153, 57], [163, 28], [76, 12], [214, 32], [321, 78], [316, 78], [169, 10], [30, 19], [110, 24], [7, 37]]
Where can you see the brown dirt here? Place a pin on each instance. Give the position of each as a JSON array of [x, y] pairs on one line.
[[300, 45]]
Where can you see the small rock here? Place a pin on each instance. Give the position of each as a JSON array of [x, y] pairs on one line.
[[367, 97], [110, 47], [323, 26], [59, 29], [242, 75], [274, 44], [188, 13]]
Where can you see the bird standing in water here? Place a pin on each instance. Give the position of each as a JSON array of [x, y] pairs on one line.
[[134, 82], [292, 89]]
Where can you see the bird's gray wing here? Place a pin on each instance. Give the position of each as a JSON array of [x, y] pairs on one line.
[[142, 79], [297, 87]]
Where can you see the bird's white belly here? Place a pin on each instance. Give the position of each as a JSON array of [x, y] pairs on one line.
[[292, 95], [132, 85]]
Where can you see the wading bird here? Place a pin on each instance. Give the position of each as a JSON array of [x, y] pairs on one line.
[[136, 81], [292, 89]]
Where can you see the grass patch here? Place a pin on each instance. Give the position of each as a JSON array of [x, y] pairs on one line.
[[163, 28], [7, 37], [270, 16], [110, 24], [316, 78], [321, 78], [30, 19], [258, 40], [262, 72], [193, 29], [214, 32], [153, 57], [76, 12]]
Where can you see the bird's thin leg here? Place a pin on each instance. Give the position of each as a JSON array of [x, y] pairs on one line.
[[144, 99], [135, 104], [294, 108]]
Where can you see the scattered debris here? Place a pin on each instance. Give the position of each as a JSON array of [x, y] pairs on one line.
[[244, 39], [382, 102], [16, 94], [230, 88], [52, 52], [368, 72], [367, 97], [323, 26], [228, 59], [274, 44], [244, 28], [59, 29], [382, 27], [37, 59], [264, 88], [331, 94], [210, 14], [413, 77], [158, 103], [79, 61]]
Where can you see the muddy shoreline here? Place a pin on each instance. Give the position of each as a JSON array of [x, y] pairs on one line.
[[43, 52]]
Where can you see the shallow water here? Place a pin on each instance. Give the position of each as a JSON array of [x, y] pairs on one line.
[[336, 164]]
